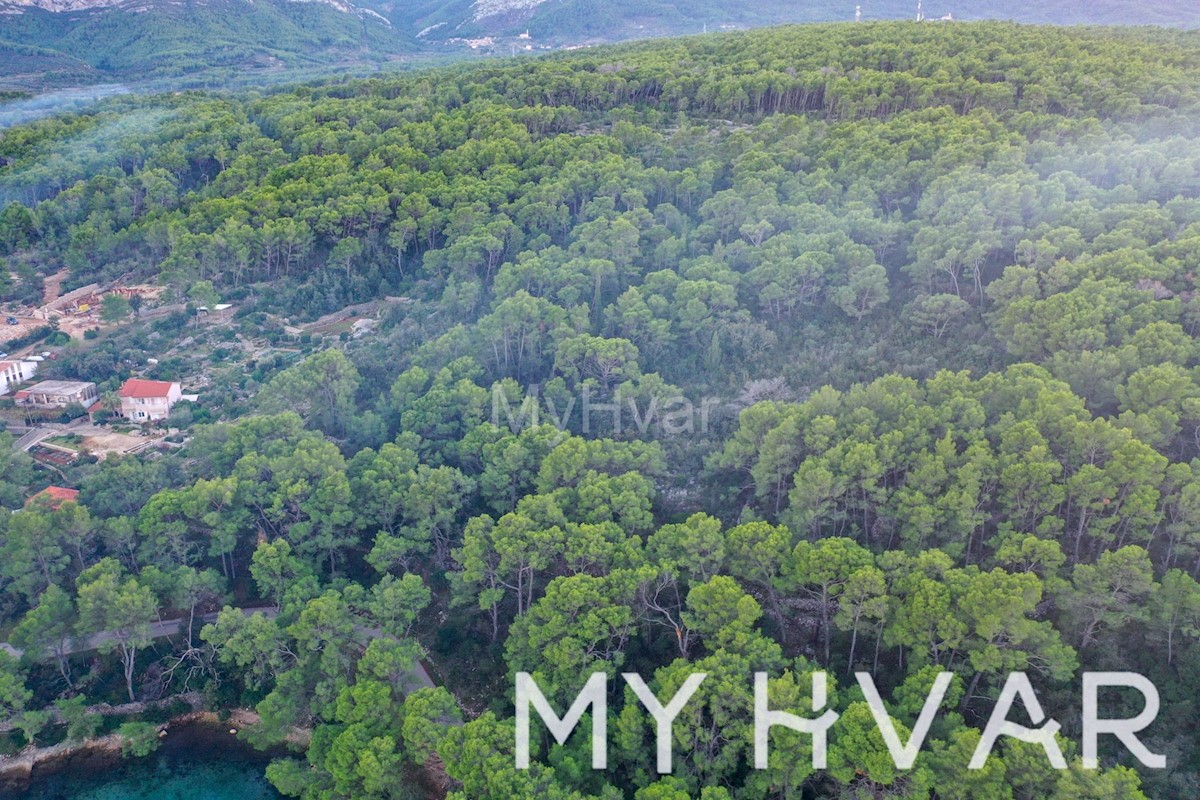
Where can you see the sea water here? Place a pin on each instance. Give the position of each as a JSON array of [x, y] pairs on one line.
[[158, 778], [195, 762]]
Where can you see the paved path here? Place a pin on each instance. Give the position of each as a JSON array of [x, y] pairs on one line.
[[158, 630], [33, 437]]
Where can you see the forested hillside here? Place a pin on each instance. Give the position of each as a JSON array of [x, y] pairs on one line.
[[242, 43], [212, 41], [923, 303]]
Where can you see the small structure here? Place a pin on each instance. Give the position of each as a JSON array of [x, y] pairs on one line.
[[14, 373], [148, 401], [59, 394], [362, 327], [53, 497]]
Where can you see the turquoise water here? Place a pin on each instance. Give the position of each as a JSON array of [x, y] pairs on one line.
[[195, 762], [159, 778]]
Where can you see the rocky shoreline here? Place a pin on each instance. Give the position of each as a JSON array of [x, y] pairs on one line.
[[191, 699], [18, 771]]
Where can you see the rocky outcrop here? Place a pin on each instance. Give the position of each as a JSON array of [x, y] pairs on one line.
[[17, 770], [492, 8]]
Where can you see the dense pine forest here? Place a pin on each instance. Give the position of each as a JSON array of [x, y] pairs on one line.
[[923, 300]]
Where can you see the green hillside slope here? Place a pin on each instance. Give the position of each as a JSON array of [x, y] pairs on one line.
[[213, 41], [177, 40], [808, 351]]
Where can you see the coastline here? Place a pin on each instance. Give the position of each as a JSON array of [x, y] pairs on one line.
[[19, 770]]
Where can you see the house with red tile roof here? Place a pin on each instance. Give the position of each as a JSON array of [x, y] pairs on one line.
[[148, 401], [54, 496]]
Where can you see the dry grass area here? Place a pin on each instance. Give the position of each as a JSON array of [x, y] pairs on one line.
[[102, 442], [24, 325], [52, 286], [334, 328]]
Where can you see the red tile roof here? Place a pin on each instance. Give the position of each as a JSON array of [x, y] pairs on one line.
[[56, 496], [135, 387]]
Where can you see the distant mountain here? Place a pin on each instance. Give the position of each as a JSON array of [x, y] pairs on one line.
[[67, 42], [562, 21], [48, 43]]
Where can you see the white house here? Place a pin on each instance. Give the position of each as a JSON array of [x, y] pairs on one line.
[[148, 401], [59, 394], [13, 373]]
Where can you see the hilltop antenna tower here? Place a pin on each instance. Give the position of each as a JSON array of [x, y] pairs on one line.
[[920, 12], [858, 13]]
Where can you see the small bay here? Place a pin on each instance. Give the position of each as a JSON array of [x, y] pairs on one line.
[[195, 762]]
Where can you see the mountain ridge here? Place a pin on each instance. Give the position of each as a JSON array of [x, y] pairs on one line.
[[101, 41], [87, 41], [65, 6]]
